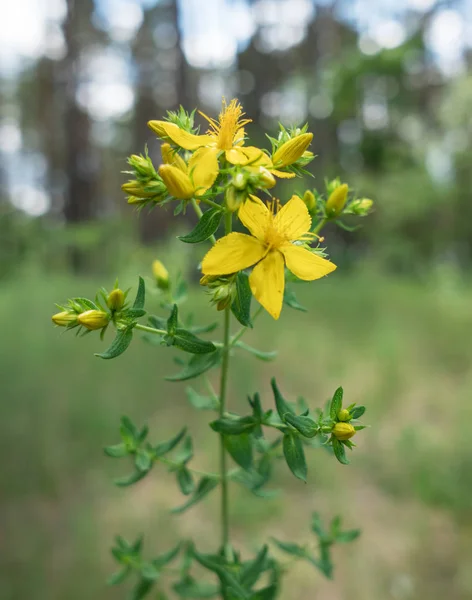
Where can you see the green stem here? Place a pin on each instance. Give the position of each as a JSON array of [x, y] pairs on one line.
[[223, 389], [150, 329], [243, 330], [320, 226], [210, 203]]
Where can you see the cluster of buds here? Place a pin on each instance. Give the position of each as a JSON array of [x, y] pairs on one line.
[[343, 429], [335, 203], [222, 290], [147, 186], [246, 181]]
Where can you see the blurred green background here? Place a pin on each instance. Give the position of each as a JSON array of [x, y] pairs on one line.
[[387, 90]]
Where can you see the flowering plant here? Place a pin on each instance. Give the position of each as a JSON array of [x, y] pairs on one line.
[[225, 181]]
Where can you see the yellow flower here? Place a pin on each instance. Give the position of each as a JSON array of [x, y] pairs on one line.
[[292, 150], [343, 431], [185, 181], [93, 319], [270, 247]]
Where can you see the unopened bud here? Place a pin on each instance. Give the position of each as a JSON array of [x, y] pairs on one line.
[[337, 200], [161, 274], [171, 157], [116, 299], [142, 165], [177, 182], [139, 190], [343, 431], [93, 319], [234, 198], [361, 207], [309, 200], [64, 319], [344, 415], [239, 181], [266, 179], [291, 151], [158, 128]]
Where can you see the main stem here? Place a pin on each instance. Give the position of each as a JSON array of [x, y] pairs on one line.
[[223, 389]]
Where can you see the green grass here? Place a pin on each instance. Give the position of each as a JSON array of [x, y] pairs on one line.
[[400, 348]]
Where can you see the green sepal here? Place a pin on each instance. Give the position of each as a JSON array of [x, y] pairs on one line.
[[306, 426], [357, 412], [140, 295], [116, 451], [290, 299], [282, 405], [130, 479], [204, 487], [240, 449], [336, 403], [266, 356], [205, 228], [198, 364], [185, 481], [165, 447], [339, 451], [295, 455], [234, 426], [201, 402], [241, 306], [119, 345]]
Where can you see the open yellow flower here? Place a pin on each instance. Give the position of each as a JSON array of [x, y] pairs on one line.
[[272, 246]]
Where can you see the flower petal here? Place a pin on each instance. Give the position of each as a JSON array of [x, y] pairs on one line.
[[255, 216], [178, 184], [236, 156], [304, 264], [203, 167], [238, 139], [182, 138], [293, 219], [232, 253], [267, 282], [282, 174], [257, 157]]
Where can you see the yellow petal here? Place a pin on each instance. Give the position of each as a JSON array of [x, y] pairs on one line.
[[178, 184], [238, 139], [255, 216], [236, 156], [182, 138], [170, 157], [203, 167], [267, 282], [256, 157], [232, 253], [292, 150], [282, 174], [293, 219], [304, 264]]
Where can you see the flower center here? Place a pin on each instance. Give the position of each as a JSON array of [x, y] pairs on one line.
[[229, 123]]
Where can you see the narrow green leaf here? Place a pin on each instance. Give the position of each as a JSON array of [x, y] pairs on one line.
[[185, 481], [116, 451], [291, 548], [203, 328], [149, 571], [336, 403], [205, 228], [201, 402], [339, 451], [234, 426], [266, 356], [189, 588], [164, 559], [348, 536], [205, 486], [119, 576], [142, 589], [357, 412], [290, 299], [267, 593], [185, 453], [282, 406], [119, 345], [252, 570], [241, 306], [140, 295], [240, 449], [130, 479], [306, 426], [173, 321], [188, 342], [143, 460], [128, 431], [135, 313], [158, 322], [295, 455], [226, 577], [198, 364], [165, 447]]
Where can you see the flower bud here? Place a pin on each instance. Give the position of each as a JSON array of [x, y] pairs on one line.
[[139, 190], [116, 299], [266, 179], [171, 157], [344, 415], [343, 431], [291, 151], [157, 127], [177, 182], [64, 319], [361, 207], [239, 181], [337, 200], [142, 165], [93, 319], [161, 274], [309, 200], [234, 198]]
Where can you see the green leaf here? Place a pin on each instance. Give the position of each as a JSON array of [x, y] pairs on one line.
[[189, 588], [119, 345], [348, 536], [130, 479], [357, 412], [198, 364], [119, 576], [203, 328], [135, 313], [306, 426], [294, 455], [226, 577], [240, 449], [149, 571], [290, 299], [158, 322], [185, 481], [205, 228], [205, 486], [291, 548], [282, 406], [266, 356], [143, 460], [167, 557], [336, 403], [142, 589], [116, 451], [180, 292], [185, 453], [188, 342], [241, 306], [339, 451], [201, 402], [234, 426], [173, 321], [128, 431], [252, 570], [140, 295], [165, 447], [267, 593]]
